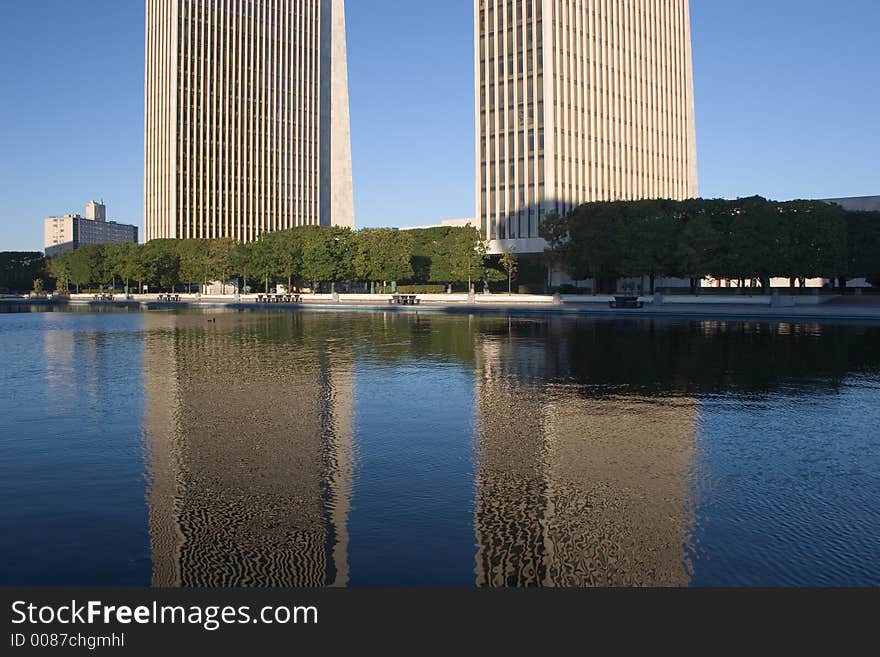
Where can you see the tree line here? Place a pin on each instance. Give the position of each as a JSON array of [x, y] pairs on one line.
[[750, 239], [19, 270], [747, 239], [309, 256]]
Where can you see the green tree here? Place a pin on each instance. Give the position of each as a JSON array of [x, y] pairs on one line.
[[813, 240], [650, 232], [129, 268], [115, 261], [754, 240], [597, 243], [286, 254], [161, 264], [317, 256], [59, 269], [137, 266], [18, 269], [863, 245], [427, 259], [697, 250], [218, 260], [327, 254], [85, 267], [264, 260], [193, 260], [383, 254], [509, 261], [467, 255], [555, 231], [242, 263], [203, 260]]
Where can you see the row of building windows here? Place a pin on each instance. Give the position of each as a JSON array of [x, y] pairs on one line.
[[660, 136], [656, 72], [513, 15], [219, 37], [212, 118], [260, 176], [255, 78], [510, 8], [209, 149], [522, 225], [662, 176], [489, 171], [283, 199], [253, 8], [498, 146], [494, 45], [637, 16], [254, 55], [620, 78], [296, 14]]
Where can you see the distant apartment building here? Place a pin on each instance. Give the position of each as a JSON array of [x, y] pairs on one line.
[[247, 126], [579, 101], [73, 231]]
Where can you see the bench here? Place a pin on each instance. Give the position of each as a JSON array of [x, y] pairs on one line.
[[103, 297], [405, 299], [279, 298], [627, 302], [169, 298]]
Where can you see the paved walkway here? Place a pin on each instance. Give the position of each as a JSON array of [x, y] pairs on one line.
[[846, 309]]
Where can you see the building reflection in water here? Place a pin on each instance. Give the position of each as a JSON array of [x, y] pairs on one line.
[[577, 484], [60, 353], [588, 467], [248, 427]]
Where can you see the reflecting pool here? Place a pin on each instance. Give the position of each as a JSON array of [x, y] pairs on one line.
[[422, 449]]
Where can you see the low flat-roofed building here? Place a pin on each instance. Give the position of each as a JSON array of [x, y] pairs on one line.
[[446, 223]]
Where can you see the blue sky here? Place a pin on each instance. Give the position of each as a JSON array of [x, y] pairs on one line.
[[787, 95]]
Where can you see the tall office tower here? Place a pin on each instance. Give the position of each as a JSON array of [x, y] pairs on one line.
[[579, 101], [247, 120]]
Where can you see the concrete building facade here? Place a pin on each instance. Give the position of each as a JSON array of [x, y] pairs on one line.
[[247, 120], [72, 230], [579, 101]]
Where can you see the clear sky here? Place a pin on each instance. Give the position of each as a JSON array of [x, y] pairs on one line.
[[787, 95]]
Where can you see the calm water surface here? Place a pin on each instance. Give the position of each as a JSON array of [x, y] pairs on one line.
[[359, 449]]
